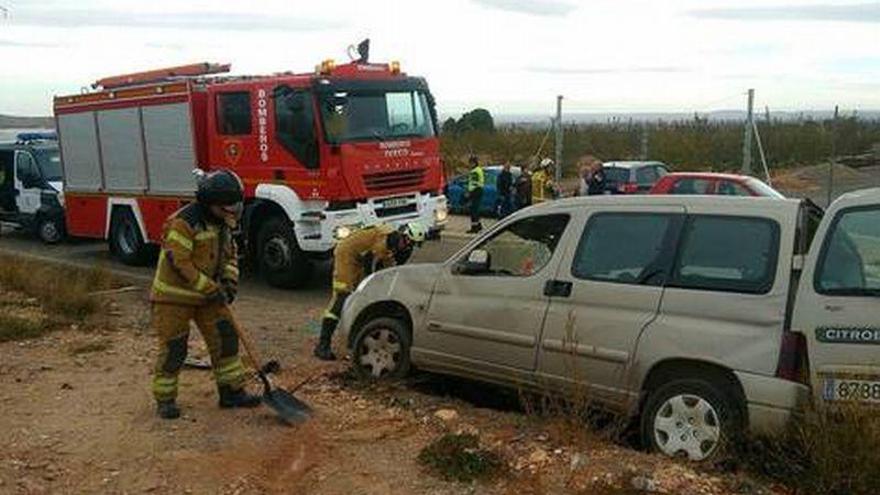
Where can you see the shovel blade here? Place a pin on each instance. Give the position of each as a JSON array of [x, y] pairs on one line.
[[290, 409]]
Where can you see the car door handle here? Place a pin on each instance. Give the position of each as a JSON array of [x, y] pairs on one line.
[[557, 288]]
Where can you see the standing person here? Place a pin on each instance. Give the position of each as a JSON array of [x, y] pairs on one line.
[[504, 185], [542, 182], [476, 181], [524, 188], [197, 280], [597, 184], [353, 259]]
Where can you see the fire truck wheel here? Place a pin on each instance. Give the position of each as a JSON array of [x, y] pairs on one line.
[[282, 262], [126, 241]]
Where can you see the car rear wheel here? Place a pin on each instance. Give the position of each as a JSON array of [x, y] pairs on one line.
[[690, 418], [381, 349]]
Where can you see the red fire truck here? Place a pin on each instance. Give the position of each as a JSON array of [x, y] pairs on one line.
[[320, 154]]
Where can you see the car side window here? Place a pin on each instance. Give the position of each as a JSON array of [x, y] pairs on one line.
[[646, 175], [623, 247], [524, 248], [730, 188], [26, 167], [850, 259], [691, 186], [736, 254]]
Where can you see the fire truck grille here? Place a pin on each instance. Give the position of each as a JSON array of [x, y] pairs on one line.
[[385, 181], [396, 210]]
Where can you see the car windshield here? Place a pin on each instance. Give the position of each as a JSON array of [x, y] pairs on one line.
[[616, 174], [371, 115], [49, 161], [763, 189]]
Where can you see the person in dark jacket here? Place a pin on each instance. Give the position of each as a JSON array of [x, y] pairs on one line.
[[504, 185], [597, 182], [523, 188]]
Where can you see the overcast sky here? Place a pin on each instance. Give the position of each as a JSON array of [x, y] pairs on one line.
[[510, 56]]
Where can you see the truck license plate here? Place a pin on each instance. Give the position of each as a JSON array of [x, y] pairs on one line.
[[845, 389], [395, 202]]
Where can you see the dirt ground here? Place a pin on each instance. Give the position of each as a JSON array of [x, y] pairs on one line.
[[78, 418]]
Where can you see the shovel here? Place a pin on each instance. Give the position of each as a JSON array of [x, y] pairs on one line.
[[290, 409]]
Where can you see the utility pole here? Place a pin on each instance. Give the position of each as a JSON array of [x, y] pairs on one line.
[[747, 136], [644, 147], [830, 185], [558, 138]]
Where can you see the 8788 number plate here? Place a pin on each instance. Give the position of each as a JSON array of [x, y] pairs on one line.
[[841, 389]]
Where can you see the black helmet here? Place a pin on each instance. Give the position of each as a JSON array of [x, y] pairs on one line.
[[222, 188]]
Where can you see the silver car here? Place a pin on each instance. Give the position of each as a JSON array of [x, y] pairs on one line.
[[685, 312]]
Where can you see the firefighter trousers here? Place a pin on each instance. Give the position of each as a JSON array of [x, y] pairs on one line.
[[171, 322], [331, 316]]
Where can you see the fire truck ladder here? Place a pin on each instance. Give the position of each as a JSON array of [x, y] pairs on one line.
[[151, 76]]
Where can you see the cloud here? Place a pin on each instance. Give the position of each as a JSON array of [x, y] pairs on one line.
[[551, 8], [609, 70], [27, 44], [218, 21], [857, 12]]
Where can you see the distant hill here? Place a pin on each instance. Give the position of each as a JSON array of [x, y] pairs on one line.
[[16, 122]]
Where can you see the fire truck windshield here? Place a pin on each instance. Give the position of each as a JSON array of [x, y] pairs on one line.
[[372, 115]]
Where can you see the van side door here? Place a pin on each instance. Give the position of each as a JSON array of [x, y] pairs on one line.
[[838, 303], [615, 274], [488, 320]]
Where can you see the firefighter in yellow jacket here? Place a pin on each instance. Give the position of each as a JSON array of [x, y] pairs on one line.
[[197, 280], [357, 256]]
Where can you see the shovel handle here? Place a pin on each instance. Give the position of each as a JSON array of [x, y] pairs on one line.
[[245, 339]]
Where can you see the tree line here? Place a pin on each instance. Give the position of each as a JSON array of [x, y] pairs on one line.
[[694, 144]]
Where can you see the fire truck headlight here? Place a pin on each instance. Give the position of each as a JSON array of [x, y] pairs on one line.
[[441, 214], [341, 232]]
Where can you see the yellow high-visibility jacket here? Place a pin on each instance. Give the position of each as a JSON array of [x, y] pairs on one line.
[[350, 253], [541, 184], [189, 268]]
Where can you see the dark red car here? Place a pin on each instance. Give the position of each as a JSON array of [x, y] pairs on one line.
[[712, 183]]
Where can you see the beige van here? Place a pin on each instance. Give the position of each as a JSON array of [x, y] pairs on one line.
[[703, 316]]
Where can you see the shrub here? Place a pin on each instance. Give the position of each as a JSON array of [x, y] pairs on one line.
[[458, 457]]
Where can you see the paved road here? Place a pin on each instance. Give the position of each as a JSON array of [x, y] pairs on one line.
[[93, 253]]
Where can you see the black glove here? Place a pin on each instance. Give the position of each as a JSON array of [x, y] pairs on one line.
[[229, 290], [217, 297]]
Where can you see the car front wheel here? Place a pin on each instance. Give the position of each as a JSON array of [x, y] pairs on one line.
[[381, 349]]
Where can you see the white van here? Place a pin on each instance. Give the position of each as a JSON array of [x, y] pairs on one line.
[[703, 316]]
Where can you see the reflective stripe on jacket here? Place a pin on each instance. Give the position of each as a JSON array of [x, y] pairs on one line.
[[476, 178], [350, 253], [189, 262]]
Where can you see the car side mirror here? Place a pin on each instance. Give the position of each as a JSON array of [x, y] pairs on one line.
[[478, 261]]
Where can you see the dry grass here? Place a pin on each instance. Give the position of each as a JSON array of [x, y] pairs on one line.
[[63, 291], [831, 451], [38, 297]]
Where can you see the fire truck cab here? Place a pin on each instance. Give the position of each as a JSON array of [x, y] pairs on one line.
[[320, 154]]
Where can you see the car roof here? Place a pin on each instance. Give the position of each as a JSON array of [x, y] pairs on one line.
[[730, 204], [631, 164], [708, 175]]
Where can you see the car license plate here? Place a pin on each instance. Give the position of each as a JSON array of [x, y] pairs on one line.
[[846, 389], [395, 202]]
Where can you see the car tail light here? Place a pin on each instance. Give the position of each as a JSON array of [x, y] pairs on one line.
[[628, 188], [793, 363]]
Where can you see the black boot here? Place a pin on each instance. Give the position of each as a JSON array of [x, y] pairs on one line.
[[167, 409], [230, 397], [322, 350]]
